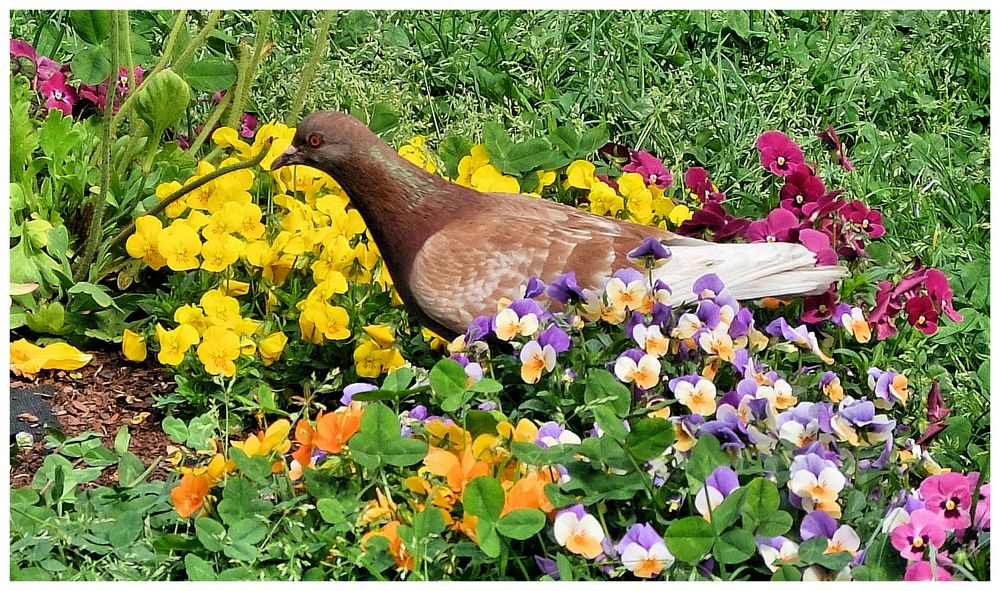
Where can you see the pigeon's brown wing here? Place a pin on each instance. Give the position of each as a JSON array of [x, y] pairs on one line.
[[466, 267]]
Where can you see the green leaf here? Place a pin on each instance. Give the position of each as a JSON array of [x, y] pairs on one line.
[[610, 422], [96, 292], [786, 572], [739, 22], [729, 510], [198, 569], [532, 154], [447, 379], [92, 65], [521, 524], [567, 140], [496, 140], [484, 498], [248, 531], [93, 26], [734, 547], [428, 522], [241, 498], [48, 318], [813, 551], [489, 540], [593, 139], [649, 438], [602, 387], [122, 439], [452, 149], [175, 429], [255, 468], [761, 498], [379, 442], [398, 380], [690, 538], [771, 525], [128, 526], [210, 533], [486, 386], [238, 573], [210, 74], [331, 510], [706, 456]]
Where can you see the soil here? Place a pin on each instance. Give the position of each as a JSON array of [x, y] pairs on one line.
[[107, 393]]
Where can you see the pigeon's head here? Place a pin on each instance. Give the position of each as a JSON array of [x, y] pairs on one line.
[[324, 140]]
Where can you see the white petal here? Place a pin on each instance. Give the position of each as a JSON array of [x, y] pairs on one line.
[[530, 351], [802, 481], [625, 369], [832, 479], [633, 554], [564, 527], [591, 528], [528, 325], [661, 553], [707, 497], [845, 537]]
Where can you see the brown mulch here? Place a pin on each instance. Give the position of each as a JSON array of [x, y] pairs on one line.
[[107, 393]]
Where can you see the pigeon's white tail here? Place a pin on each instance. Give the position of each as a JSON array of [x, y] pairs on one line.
[[749, 271]]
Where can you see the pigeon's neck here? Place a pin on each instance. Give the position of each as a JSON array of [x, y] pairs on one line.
[[402, 204]]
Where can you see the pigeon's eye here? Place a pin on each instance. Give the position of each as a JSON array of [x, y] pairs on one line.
[[315, 140]]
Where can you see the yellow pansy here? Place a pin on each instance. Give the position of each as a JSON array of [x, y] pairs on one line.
[[319, 320], [142, 244], [175, 343], [381, 334], [477, 158], [133, 346], [545, 178], [164, 190], [639, 200], [580, 175], [249, 225], [224, 221], [680, 214], [199, 198], [219, 253], [604, 200], [232, 287], [489, 179], [415, 152], [221, 309], [262, 444], [271, 347], [219, 349], [193, 316], [275, 265], [228, 138], [180, 246], [29, 358]]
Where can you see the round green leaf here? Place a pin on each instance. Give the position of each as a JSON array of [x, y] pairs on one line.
[[92, 26], [209, 75], [689, 539], [92, 65], [483, 497], [521, 524]]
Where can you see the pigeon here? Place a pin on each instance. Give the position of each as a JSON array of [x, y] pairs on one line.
[[453, 253]]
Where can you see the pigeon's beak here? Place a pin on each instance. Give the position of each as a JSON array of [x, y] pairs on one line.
[[287, 158]]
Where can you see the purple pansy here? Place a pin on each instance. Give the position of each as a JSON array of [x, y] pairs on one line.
[[778, 153], [779, 226], [565, 287], [650, 167]]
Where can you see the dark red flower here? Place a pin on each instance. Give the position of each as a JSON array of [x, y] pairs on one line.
[[778, 153], [801, 186], [869, 220], [921, 315], [832, 142], [937, 412], [697, 181], [940, 293], [818, 308], [715, 219]]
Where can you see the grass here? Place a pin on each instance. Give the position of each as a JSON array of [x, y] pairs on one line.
[[908, 92]]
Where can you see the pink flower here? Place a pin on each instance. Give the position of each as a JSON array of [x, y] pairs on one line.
[[921, 315], [714, 218], [982, 520], [249, 125], [58, 94], [651, 168], [936, 414], [819, 243], [778, 227], [923, 571], [801, 186], [949, 495], [913, 538], [778, 153], [824, 206]]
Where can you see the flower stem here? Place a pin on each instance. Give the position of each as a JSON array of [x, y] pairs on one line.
[[96, 226], [248, 68], [309, 72]]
